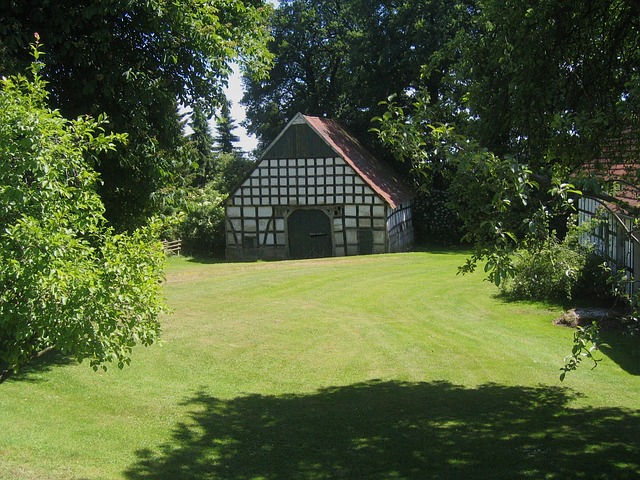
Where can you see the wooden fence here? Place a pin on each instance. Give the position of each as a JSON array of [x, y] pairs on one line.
[[172, 247]]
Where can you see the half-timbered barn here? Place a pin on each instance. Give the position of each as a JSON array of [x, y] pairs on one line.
[[316, 192]]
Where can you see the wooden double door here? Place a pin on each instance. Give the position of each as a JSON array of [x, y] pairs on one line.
[[309, 234]]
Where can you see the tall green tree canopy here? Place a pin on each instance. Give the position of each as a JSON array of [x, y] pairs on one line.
[[67, 281], [136, 61], [534, 97], [340, 58]]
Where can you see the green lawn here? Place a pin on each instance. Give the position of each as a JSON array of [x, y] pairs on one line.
[[376, 367]]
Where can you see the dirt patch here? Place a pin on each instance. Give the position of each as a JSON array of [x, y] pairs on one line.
[[607, 319]]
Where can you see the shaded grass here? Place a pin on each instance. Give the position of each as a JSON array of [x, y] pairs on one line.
[[384, 366]]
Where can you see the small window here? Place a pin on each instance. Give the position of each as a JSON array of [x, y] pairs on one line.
[[248, 241], [338, 211]]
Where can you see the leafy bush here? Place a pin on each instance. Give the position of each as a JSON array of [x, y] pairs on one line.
[[548, 273], [202, 227], [560, 270], [67, 280]]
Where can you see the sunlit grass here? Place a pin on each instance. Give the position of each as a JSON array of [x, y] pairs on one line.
[[259, 357]]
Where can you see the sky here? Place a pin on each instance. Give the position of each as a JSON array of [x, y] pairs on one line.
[[234, 93]]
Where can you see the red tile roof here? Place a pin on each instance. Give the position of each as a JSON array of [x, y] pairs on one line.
[[381, 178]]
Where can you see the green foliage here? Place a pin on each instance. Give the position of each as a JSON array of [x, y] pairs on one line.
[[201, 142], [137, 61], [586, 340], [66, 280], [202, 227], [434, 221], [340, 58], [496, 199], [194, 212], [230, 170], [226, 139], [550, 271], [528, 97]]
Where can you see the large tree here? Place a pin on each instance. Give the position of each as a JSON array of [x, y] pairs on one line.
[[535, 97], [67, 281], [340, 58], [137, 61]]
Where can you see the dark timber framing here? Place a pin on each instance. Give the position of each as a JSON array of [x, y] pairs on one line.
[[316, 166]]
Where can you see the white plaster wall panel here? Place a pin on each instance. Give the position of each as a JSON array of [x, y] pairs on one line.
[[352, 236], [265, 212], [378, 211], [364, 223], [249, 225], [233, 211], [379, 236], [350, 211]]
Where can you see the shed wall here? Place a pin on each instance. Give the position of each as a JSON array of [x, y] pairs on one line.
[[612, 241]]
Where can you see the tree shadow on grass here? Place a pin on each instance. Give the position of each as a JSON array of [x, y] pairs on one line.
[[397, 430], [37, 369], [617, 344], [623, 349]]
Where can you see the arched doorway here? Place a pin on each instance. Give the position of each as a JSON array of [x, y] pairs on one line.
[[309, 234]]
